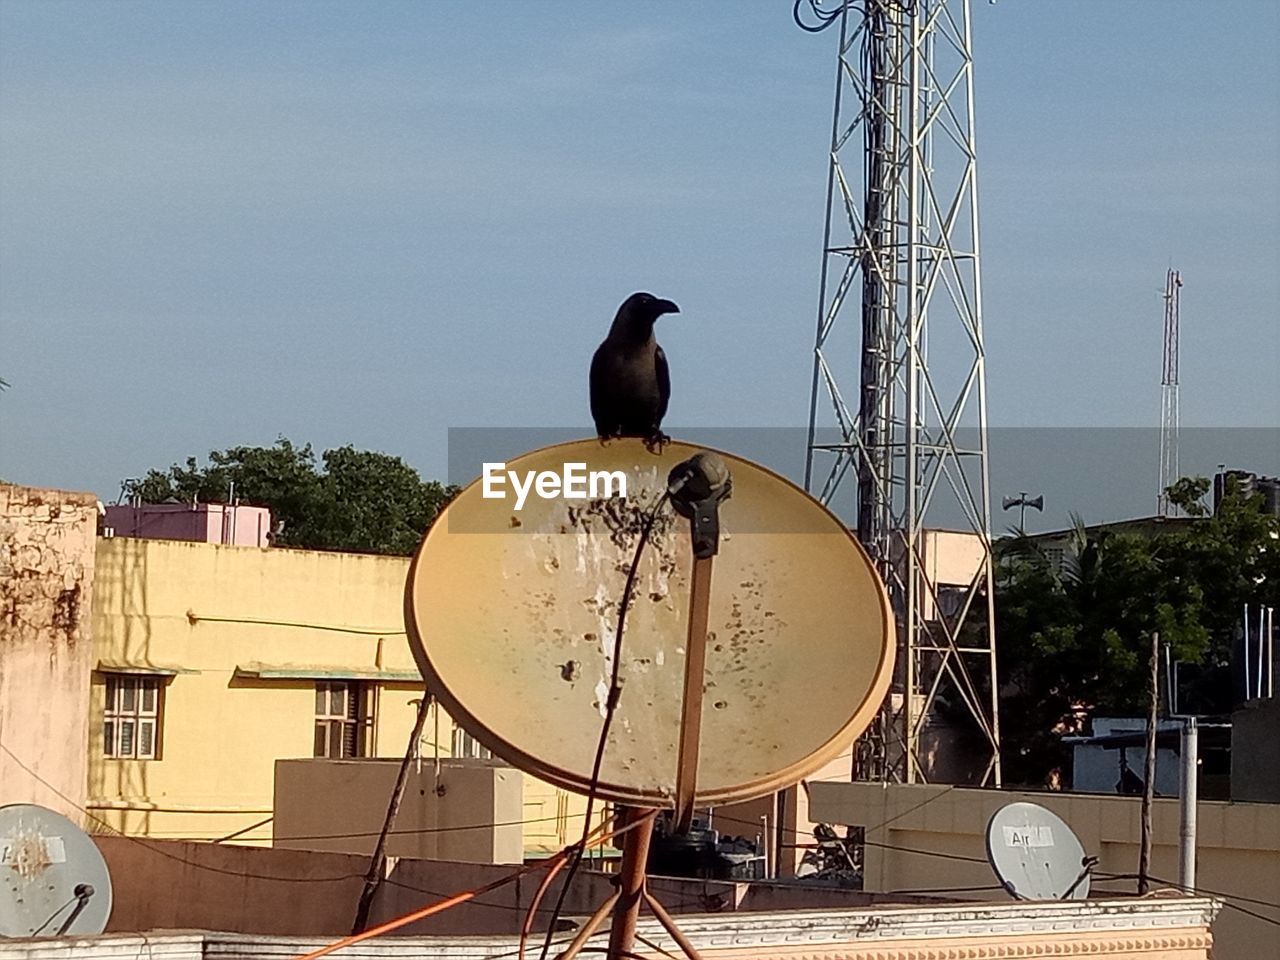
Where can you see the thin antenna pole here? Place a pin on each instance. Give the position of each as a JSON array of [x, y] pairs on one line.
[[1169, 414], [1149, 775]]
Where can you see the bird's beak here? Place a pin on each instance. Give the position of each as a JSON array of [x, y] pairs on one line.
[[665, 306]]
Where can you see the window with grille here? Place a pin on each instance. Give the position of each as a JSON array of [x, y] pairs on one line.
[[131, 721], [344, 719], [465, 745]]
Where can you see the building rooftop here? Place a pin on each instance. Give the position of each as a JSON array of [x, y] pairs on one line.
[[1157, 926]]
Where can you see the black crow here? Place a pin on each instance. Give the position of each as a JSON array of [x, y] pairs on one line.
[[630, 383]]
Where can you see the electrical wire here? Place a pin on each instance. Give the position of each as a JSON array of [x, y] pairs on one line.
[[249, 875], [611, 706], [156, 850], [1251, 913], [417, 831], [40, 929], [928, 890], [1227, 898], [527, 927], [825, 18], [557, 861], [423, 912], [360, 631]]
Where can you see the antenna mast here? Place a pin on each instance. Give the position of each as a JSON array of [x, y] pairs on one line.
[[1169, 469], [900, 339]]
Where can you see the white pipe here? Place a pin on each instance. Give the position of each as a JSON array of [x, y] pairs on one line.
[[1246, 653], [768, 847], [1188, 800], [1262, 634], [1271, 652]]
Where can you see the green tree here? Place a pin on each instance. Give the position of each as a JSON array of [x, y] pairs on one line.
[[1074, 637], [357, 500]]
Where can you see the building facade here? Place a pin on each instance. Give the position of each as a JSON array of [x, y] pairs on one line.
[[1168, 929], [212, 662], [931, 836]]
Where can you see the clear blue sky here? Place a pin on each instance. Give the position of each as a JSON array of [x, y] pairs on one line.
[[367, 223]]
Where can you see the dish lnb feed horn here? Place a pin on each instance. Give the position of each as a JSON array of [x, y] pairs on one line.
[[697, 487]]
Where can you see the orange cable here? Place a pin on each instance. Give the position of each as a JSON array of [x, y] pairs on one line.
[[438, 907], [527, 927], [441, 905]]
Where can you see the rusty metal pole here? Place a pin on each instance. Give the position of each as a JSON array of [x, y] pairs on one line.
[[377, 862], [635, 857], [691, 705]]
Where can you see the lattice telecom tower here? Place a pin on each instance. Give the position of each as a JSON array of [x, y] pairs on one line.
[[899, 360], [1169, 395]]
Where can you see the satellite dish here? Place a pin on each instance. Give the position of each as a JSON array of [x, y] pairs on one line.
[[53, 880], [1036, 855], [511, 616]]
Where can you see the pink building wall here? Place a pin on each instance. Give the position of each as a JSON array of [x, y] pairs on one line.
[[241, 526]]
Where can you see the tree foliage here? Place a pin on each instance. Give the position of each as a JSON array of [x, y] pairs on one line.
[[354, 500], [1074, 636]]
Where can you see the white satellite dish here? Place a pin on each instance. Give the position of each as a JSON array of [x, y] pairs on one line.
[[53, 880], [1036, 855]]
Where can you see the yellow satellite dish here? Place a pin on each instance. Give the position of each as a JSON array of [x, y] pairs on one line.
[[511, 615]]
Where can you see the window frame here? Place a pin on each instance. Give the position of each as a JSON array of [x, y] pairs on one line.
[[345, 731], [125, 709], [466, 747]]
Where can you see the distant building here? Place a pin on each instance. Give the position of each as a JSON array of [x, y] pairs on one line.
[[1248, 484], [212, 662], [1255, 751], [1112, 758], [1056, 545], [234, 524]]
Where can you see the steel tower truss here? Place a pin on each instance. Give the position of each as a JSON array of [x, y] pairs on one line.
[[1169, 467], [901, 292]]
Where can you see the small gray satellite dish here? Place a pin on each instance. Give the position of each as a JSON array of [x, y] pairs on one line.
[[1035, 854], [53, 880]]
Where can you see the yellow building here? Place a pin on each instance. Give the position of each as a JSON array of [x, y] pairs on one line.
[[212, 662]]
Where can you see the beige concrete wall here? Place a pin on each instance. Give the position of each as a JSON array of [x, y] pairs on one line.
[[932, 837], [46, 644], [182, 885], [204, 609], [340, 806]]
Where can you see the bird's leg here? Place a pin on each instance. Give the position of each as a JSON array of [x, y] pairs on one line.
[[656, 441]]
